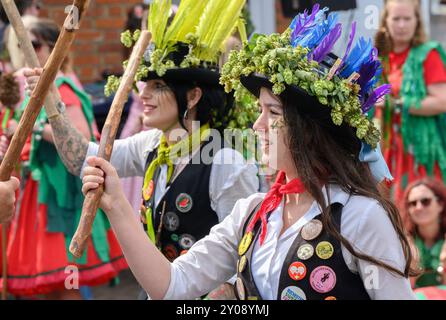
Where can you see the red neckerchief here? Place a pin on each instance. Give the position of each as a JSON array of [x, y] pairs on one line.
[[273, 199]]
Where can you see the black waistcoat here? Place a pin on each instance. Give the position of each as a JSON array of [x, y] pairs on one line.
[[319, 279], [188, 215]]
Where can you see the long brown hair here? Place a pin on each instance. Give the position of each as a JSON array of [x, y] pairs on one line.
[[322, 151], [438, 188], [383, 41]]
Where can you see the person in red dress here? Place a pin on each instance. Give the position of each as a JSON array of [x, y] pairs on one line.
[[413, 116], [51, 203]]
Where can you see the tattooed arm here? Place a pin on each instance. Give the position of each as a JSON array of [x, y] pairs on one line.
[[71, 145]]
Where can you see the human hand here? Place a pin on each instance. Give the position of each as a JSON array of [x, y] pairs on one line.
[[32, 77], [7, 198], [99, 171]]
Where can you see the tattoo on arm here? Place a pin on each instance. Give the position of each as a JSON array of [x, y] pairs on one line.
[[71, 145]]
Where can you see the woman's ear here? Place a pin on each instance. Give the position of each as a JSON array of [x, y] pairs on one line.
[[193, 96]]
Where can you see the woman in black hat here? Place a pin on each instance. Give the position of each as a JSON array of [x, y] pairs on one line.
[[323, 231], [191, 179]]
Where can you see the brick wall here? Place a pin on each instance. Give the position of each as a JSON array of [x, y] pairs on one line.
[[97, 46]]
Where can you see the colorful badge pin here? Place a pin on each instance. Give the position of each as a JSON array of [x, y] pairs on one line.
[[245, 243], [297, 271], [311, 230]]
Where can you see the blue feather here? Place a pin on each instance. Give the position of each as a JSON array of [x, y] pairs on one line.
[[368, 78], [318, 32], [349, 45], [307, 26], [327, 43], [377, 94], [359, 54], [302, 21]]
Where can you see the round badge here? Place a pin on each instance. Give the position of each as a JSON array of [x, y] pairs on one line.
[[305, 251], [184, 202], [293, 293], [186, 241], [324, 250], [323, 279], [245, 243], [297, 271], [311, 230], [147, 192], [170, 252], [174, 237], [171, 221], [330, 298], [240, 288], [242, 264]]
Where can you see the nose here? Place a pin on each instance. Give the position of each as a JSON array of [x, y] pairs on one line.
[[261, 123], [146, 92]]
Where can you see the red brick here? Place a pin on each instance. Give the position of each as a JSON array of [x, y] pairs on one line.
[[110, 23], [116, 11]]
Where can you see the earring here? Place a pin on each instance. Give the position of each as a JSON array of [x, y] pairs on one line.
[[185, 116]]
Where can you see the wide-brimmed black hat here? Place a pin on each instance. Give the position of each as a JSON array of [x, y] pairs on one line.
[[206, 73]]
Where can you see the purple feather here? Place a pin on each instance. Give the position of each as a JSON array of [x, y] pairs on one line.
[[377, 94], [327, 43], [350, 42], [304, 21], [367, 72]]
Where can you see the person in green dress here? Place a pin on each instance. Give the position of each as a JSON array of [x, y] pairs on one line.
[[424, 214]]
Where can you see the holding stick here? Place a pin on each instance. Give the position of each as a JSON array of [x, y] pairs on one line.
[[38, 95], [92, 199], [33, 109]]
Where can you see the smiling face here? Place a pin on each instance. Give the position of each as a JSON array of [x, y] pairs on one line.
[[401, 21], [271, 129], [160, 105], [423, 206]]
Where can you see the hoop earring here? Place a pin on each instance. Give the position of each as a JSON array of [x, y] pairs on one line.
[[186, 114]]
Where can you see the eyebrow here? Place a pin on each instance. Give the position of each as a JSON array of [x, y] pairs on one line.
[[269, 105]]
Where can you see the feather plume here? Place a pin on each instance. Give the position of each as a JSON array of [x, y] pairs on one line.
[[185, 21], [356, 58], [377, 94], [327, 43], [224, 17], [369, 74], [303, 21], [349, 45], [318, 32], [157, 21]]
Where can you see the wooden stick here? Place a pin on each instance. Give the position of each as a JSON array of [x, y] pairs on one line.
[[93, 197], [50, 70], [30, 114]]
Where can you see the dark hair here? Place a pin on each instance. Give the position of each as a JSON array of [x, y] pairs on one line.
[[47, 31], [438, 188], [22, 5], [213, 105], [325, 153]]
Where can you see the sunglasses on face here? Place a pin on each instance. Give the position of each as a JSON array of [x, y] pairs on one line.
[[36, 44], [425, 202]]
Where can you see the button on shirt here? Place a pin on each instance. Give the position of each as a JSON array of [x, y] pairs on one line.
[[365, 224]]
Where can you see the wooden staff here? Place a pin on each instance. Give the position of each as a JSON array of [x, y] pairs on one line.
[[35, 104], [93, 197], [39, 93]]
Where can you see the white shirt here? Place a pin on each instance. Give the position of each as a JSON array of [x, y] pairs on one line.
[[365, 225], [231, 177]]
